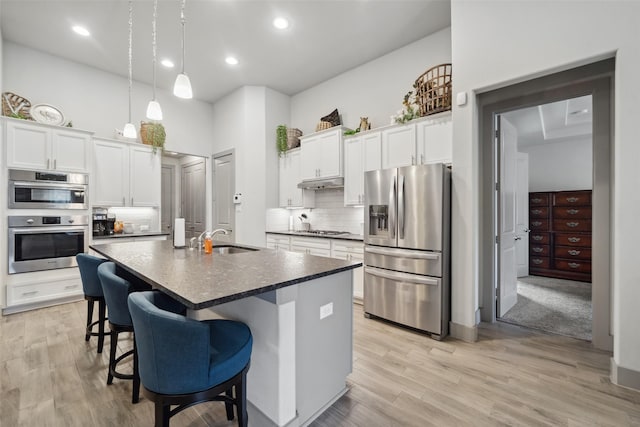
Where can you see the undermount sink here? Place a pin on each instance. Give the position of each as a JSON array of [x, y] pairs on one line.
[[228, 250]]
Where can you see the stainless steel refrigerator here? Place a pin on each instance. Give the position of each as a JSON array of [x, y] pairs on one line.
[[407, 239]]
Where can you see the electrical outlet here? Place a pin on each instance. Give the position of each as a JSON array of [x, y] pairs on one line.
[[326, 310]]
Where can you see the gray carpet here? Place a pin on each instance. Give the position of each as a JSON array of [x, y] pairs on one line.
[[553, 305]]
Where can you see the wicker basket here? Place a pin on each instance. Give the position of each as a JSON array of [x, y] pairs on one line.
[[293, 137], [323, 125], [433, 90], [12, 103]]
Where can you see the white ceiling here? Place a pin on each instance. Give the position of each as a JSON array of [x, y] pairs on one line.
[[554, 122], [326, 38]]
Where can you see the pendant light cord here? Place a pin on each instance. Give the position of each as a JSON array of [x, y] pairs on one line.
[[130, 53], [155, 16], [182, 20]]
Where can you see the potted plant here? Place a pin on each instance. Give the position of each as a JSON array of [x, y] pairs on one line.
[[153, 134], [281, 139]]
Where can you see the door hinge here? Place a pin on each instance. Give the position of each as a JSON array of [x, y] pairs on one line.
[[497, 239], [497, 186], [497, 134]]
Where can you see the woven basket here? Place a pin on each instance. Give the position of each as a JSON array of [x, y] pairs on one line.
[[323, 125], [12, 104], [433, 90], [293, 137]]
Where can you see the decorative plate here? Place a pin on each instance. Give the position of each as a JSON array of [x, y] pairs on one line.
[[47, 114]]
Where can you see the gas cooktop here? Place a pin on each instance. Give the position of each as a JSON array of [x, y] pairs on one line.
[[324, 232]]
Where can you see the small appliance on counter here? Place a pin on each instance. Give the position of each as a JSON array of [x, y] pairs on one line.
[[103, 222]]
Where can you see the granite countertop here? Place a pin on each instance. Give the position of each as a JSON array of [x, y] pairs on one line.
[[139, 234], [346, 236], [201, 280]]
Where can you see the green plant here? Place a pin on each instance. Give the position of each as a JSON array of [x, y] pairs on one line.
[[18, 115], [153, 134], [281, 139]]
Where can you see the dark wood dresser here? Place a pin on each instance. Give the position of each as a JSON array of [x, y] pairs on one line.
[[560, 238]]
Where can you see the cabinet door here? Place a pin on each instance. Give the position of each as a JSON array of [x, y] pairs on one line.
[[435, 140], [110, 174], [28, 146], [144, 181], [309, 160], [372, 151], [329, 151], [71, 151], [399, 146], [284, 169], [353, 171]]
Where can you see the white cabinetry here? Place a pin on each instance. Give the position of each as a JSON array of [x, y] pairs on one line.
[[435, 139], [311, 246], [290, 175], [36, 146], [125, 175], [362, 153], [351, 251], [321, 154], [399, 146], [278, 241]]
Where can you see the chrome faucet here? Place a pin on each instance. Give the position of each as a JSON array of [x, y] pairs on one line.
[[210, 233], [219, 230]]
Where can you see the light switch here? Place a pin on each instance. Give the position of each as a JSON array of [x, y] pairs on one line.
[[461, 98], [326, 310]]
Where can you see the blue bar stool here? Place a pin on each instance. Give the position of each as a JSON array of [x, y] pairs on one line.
[[184, 361], [92, 289]]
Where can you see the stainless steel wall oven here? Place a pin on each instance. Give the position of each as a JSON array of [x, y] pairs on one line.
[[47, 190], [45, 242]]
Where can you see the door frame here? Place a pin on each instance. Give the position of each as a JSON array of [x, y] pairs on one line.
[[596, 79], [172, 204]]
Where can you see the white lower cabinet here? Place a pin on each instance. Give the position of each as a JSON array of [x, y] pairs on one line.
[[351, 251], [311, 246], [41, 291], [278, 241]]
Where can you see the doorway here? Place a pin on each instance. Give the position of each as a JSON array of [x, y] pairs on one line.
[[193, 200], [597, 80], [224, 188], [168, 194], [546, 180]]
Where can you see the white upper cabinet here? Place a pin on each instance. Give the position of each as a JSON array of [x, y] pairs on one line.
[[36, 146], [435, 139], [362, 153], [399, 146], [372, 151], [290, 195], [321, 154], [125, 175]]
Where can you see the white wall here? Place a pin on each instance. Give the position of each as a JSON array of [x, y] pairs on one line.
[[97, 101], [496, 43], [560, 166], [375, 89]]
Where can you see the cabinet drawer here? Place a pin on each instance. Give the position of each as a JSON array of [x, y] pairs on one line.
[[573, 265], [573, 239], [539, 262], [35, 292], [538, 212], [539, 224], [539, 238], [539, 250], [572, 224], [572, 198], [572, 212], [538, 199], [571, 252]]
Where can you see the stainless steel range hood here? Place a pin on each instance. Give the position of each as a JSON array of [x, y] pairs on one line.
[[322, 183]]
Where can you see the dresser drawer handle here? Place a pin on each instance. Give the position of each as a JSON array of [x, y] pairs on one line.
[[573, 252], [537, 261], [536, 200], [573, 224], [573, 264], [573, 239], [537, 238], [538, 250], [536, 223], [572, 199], [573, 211], [536, 211]]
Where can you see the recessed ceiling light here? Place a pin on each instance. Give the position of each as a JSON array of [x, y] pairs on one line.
[[231, 60], [281, 23], [81, 30], [167, 63]]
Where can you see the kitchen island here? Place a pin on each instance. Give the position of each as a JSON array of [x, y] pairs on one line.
[[298, 306]]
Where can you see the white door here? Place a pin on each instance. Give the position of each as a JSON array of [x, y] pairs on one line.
[[224, 211], [522, 214], [507, 283], [193, 198], [167, 198]]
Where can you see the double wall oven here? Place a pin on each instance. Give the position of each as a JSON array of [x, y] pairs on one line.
[[48, 219]]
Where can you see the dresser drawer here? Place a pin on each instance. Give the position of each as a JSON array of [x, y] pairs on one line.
[[539, 238], [538, 262], [539, 250], [539, 224], [572, 224], [573, 239], [538, 212], [571, 212], [573, 265], [570, 252], [538, 199], [572, 198]]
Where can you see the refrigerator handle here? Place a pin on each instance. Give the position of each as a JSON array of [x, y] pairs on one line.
[[401, 208], [392, 210]]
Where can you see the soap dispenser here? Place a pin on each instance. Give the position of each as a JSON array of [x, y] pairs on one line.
[[208, 244]]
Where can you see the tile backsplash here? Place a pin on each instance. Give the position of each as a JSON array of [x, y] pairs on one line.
[[149, 217], [329, 214]]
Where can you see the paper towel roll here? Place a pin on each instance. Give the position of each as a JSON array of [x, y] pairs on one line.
[[178, 233]]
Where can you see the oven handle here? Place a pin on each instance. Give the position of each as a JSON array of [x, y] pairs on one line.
[[47, 229], [47, 185], [402, 253], [403, 277]]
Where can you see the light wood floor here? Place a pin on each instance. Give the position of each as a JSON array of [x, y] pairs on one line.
[[49, 376]]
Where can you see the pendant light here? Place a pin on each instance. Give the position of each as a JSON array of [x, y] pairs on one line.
[[182, 87], [129, 129], [154, 112]]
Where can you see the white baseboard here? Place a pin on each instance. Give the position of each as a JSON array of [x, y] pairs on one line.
[[464, 333], [624, 377]]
